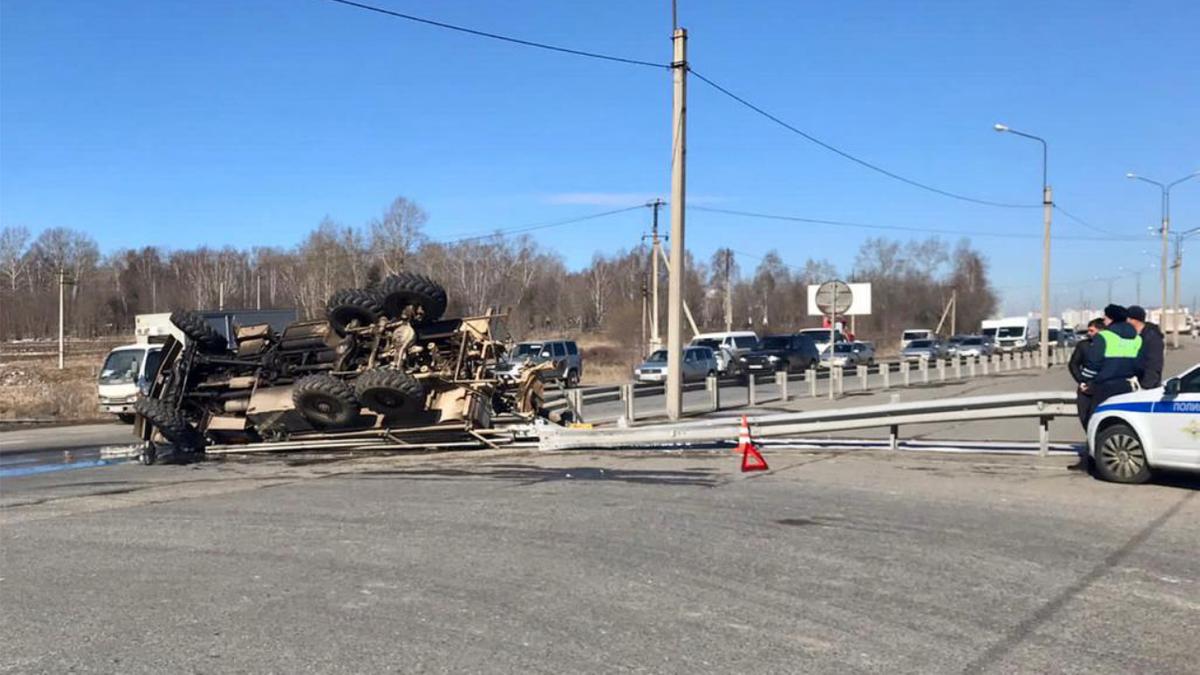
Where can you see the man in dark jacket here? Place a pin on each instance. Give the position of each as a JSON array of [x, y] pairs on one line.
[[1150, 359], [1113, 357], [1080, 371]]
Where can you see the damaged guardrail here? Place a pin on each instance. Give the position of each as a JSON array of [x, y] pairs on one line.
[[1041, 406]]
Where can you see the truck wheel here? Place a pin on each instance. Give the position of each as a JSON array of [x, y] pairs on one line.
[[572, 379], [352, 305], [1120, 457], [398, 291], [198, 331], [170, 422], [325, 401], [390, 392], [126, 418]]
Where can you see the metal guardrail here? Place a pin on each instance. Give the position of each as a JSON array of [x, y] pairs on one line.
[[1042, 406]]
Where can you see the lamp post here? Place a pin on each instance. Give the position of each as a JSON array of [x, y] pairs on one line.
[[1165, 231], [1047, 207]]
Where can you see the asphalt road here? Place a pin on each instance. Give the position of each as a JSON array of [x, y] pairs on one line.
[[832, 562]]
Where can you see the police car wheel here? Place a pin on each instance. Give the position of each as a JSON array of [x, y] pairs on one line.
[[1120, 457]]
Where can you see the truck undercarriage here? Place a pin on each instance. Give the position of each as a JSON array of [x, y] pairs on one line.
[[383, 363]]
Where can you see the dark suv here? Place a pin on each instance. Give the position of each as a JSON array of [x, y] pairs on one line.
[[786, 353]]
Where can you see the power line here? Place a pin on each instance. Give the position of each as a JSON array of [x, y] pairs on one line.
[[538, 226], [497, 36], [898, 228], [862, 162], [1085, 223]]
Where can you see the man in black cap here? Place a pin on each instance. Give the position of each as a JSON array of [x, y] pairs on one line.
[[1082, 372], [1113, 356], [1150, 359]]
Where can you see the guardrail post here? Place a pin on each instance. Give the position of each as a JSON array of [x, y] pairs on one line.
[[894, 437], [575, 401], [924, 371], [751, 382], [841, 380], [1043, 436], [781, 380], [957, 368], [886, 371], [714, 392], [627, 397], [904, 370], [810, 376], [941, 368], [862, 376], [984, 362], [971, 366]]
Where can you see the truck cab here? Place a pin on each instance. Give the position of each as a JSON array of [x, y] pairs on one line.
[[125, 373]]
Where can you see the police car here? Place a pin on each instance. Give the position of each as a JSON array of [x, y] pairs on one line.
[[1133, 434]]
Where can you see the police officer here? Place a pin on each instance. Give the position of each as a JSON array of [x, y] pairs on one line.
[[1113, 356], [1080, 371], [1150, 360]]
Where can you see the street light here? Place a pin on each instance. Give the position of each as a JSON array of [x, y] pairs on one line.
[[1165, 231], [1047, 206]]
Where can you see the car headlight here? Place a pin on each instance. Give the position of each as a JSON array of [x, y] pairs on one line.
[[131, 398], [772, 358], [742, 359]]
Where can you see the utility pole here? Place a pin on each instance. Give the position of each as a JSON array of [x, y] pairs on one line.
[[1165, 231], [679, 68], [221, 295], [728, 290], [655, 250], [63, 282], [954, 312], [258, 291]]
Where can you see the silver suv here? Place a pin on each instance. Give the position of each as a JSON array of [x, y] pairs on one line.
[[563, 354]]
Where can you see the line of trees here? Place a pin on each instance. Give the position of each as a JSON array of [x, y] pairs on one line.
[[911, 281]]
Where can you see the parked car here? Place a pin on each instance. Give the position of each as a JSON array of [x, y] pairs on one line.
[[924, 350], [844, 355], [1132, 435], [953, 343], [820, 337], [782, 353], [727, 347], [563, 355], [907, 337], [698, 363], [865, 351], [975, 345]]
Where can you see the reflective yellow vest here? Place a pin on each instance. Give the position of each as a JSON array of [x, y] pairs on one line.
[[1117, 347]]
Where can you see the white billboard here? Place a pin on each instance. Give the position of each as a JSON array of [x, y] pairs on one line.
[[860, 294]]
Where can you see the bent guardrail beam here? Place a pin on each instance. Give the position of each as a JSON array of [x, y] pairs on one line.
[[1042, 406]]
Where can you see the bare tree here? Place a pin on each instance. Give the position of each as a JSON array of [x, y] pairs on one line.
[[397, 233]]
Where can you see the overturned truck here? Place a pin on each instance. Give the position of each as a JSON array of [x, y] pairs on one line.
[[383, 366]]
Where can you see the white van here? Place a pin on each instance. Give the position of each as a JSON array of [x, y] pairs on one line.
[[726, 347], [911, 334], [820, 337], [1018, 334]]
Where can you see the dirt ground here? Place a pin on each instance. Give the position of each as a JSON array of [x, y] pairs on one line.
[[32, 386]]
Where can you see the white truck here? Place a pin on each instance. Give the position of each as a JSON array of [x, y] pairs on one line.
[[1018, 334], [1171, 321], [911, 334], [127, 369]]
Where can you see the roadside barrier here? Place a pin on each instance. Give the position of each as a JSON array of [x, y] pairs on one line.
[[1039, 406]]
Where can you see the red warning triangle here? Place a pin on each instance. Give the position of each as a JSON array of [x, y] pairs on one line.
[[752, 460]]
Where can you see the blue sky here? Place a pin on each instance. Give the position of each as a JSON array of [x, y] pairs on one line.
[[178, 123]]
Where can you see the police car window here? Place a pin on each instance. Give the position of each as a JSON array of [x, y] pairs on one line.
[[1190, 383]]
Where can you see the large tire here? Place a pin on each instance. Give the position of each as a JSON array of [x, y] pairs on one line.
[[170, 422], [390, 392], [398, 291], [353, 305], [1120, 456], [199, 332], [325, 401]]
